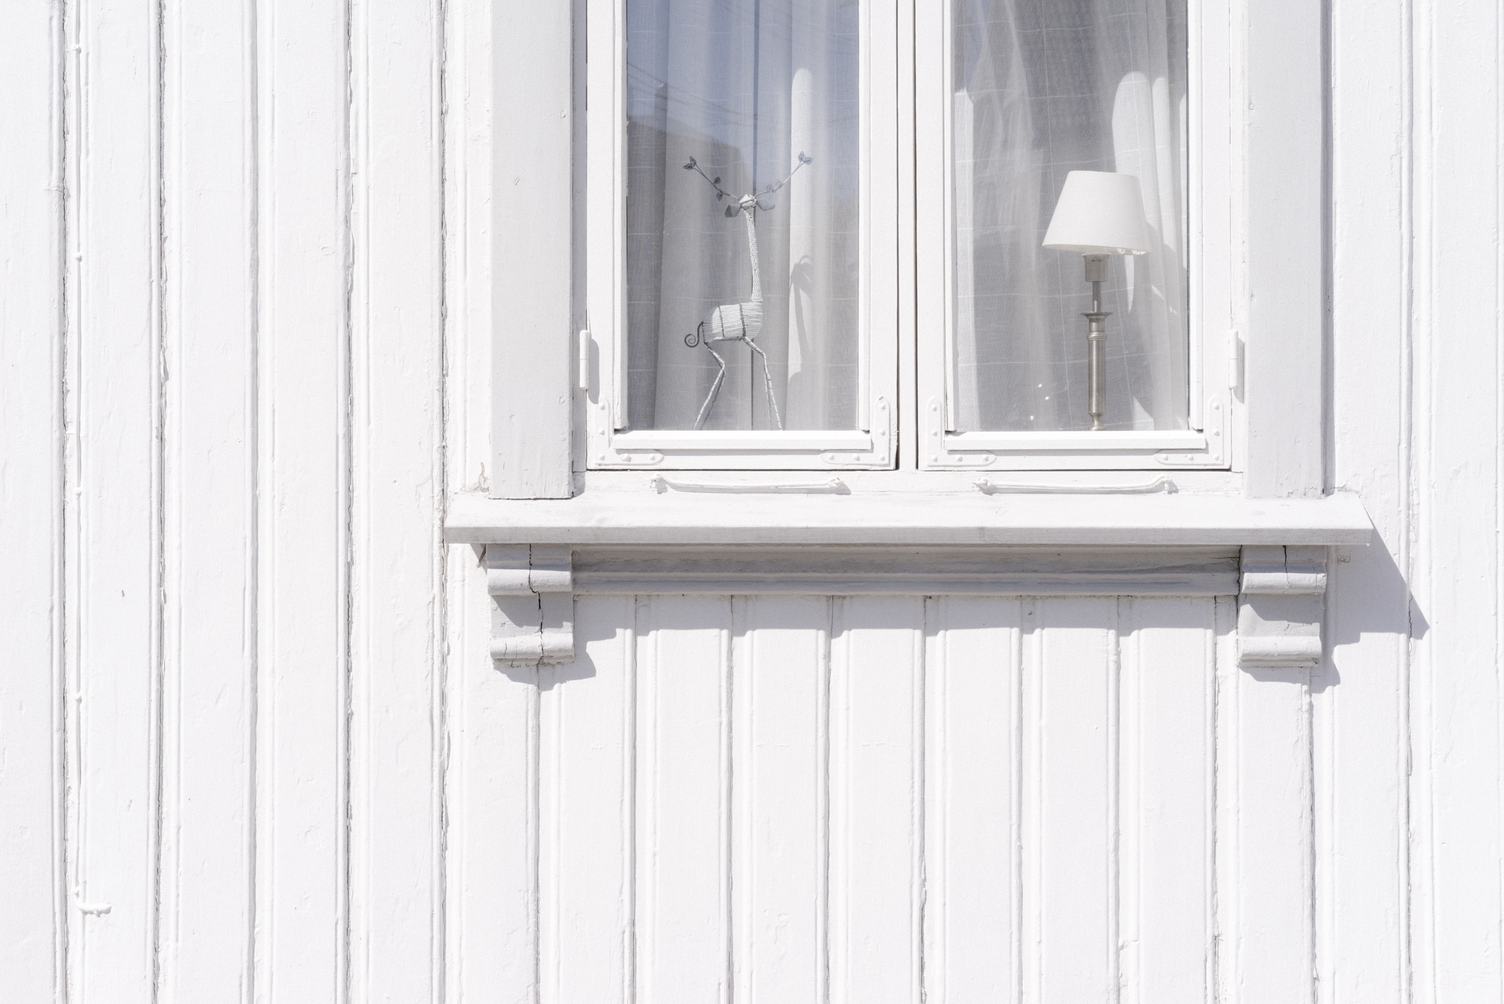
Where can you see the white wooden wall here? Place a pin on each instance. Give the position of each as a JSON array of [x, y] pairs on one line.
[[251, 746]]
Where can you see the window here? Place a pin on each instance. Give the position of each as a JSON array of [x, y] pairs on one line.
[[744, 218], [1232, 281], [743, 266], [1020, 94]]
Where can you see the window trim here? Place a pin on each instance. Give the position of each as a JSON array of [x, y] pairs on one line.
[[525, 88]]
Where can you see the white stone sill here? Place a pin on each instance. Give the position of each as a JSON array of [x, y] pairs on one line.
[[604, 517]]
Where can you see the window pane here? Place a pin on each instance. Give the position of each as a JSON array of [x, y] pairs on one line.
[[1040, 88], [721, 259]]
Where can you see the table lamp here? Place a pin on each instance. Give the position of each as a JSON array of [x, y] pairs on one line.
[[1100, 213]]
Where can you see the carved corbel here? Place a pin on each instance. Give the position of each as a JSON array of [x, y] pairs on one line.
[[532, 588], [1280, 607]]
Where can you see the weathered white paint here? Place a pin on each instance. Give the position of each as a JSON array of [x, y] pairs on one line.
[[532, 211], [252, 743]]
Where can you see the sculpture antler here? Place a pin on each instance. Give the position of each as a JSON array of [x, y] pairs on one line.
[[721, 193], [715, 183], [804, 159]]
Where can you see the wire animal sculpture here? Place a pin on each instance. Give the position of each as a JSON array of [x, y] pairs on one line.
[[739, 322]]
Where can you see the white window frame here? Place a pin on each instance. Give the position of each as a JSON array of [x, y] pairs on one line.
[[522, 106], [1207, 442], [608, 444], [533, 516]]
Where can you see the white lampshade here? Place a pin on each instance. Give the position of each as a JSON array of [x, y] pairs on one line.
[[1099, 212]]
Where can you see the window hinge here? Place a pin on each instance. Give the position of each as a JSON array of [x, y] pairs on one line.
[[582, 372], [1235, 362]]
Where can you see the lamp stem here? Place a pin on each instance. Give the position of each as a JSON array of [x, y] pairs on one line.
[[1096, 342]]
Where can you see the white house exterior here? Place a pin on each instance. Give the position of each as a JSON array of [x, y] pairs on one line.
[[315, 684]]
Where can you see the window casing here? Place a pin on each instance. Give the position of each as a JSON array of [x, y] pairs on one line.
[[906, 394]]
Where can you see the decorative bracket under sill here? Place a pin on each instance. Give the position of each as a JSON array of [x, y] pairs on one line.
[[532, 589], [1282, 598], [1272, 553]]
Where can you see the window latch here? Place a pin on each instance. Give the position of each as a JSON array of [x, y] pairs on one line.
[[1235, 357], [582, 370]]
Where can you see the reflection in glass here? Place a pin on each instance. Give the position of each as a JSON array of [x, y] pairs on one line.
[[1040, 88], [723, 97]]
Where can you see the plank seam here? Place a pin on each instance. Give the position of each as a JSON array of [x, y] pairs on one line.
[[75, 560], [1498, 605], [251, 609], [917, 808], [940, 942], [1015, 799], [346, 542], [1209, 811], [1114, 799], [629, 812], [822, 804], [61, 168], [264, 967], [157, 66], [726, 817], [438, 693]]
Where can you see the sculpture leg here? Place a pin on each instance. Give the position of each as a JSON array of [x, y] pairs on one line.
[[767, 380], [715, 388]]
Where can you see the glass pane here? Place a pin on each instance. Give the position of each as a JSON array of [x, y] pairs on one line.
[[728, 258], [1040, 88]]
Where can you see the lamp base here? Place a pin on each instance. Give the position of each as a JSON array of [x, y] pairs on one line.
[[1096, 341], [1096, 367]]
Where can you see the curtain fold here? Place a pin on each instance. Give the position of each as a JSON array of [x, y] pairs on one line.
[[1041, 88], [743, 87]]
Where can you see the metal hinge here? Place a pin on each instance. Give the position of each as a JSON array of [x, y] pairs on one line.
[[1236, 358]]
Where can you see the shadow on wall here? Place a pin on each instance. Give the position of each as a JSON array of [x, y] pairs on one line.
[[1367, 595]]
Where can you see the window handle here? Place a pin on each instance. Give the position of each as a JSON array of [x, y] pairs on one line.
[[1154, 487], [833, 486], [583, 374]]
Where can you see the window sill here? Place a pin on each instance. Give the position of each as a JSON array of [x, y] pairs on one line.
[[1271, 553], [603, 517]]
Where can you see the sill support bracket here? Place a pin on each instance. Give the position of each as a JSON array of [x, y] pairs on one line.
[[1281, 602], [532, 591]]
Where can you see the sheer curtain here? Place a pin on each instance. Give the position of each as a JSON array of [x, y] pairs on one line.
[[743, 87], [1041, 88]]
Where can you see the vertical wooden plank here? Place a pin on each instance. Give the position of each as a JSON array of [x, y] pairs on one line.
[[682, 804], [491, 717], [970, 844], [584, 801], [1463, 514], [1265, 865], [1166, 809], [781, 672], [1360, 728], [533, 105], [33, 919], [115, 359], [209, 499], [1284, 77], [304, 545], [1070, 690], [492, 798], [397, 492], [876, 765]]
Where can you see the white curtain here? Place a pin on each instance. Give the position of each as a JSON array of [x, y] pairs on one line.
[[1041, 88], [743, 87]]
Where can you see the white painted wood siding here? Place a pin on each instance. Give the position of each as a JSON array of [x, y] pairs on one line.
[[251, 744]]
